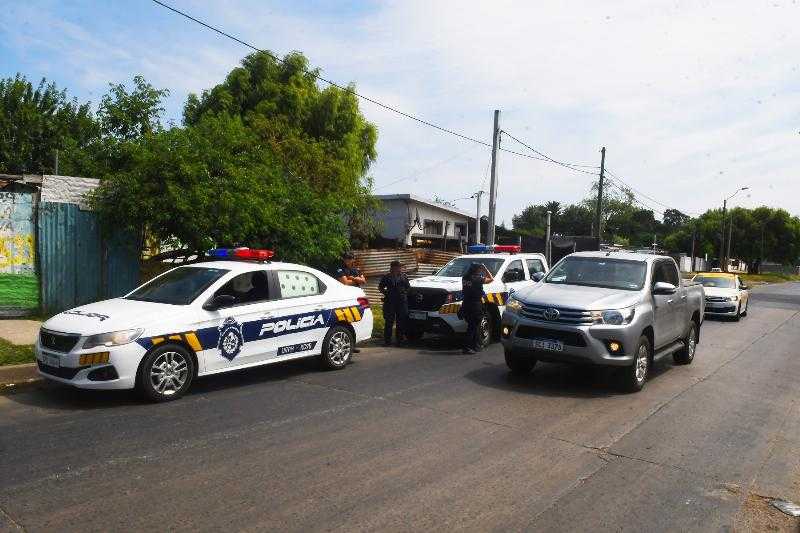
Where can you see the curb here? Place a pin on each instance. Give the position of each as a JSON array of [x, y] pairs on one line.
[[13, 376]]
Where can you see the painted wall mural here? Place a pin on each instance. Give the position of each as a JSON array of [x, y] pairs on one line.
[[19, 287]]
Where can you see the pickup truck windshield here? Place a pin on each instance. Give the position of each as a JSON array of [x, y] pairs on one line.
[[459, 265], [722, 282], [178, 287], [599, 272]]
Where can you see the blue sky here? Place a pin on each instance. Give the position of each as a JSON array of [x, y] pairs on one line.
[[691, 99]]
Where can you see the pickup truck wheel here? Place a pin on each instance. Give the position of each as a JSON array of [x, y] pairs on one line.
[[518, 363], [738, 313], [685, 355], [635, 376]]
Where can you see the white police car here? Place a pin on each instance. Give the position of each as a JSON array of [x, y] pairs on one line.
[[434, 301], [205, 318]]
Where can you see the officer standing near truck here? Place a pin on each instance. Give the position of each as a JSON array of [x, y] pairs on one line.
[[394, 286], [472, 282]]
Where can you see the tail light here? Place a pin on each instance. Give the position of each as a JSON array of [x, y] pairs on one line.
[[363, 302]]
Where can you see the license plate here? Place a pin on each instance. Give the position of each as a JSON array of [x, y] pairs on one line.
[[418, 315], [51, 360], [545, 344]]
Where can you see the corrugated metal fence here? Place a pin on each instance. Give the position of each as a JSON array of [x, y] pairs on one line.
[[416, 263], [77, 263]]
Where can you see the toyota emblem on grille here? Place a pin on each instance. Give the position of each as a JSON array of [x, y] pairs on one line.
[[551, 314]]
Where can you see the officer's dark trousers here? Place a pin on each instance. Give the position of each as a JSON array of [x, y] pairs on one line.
[[394, 312], [472, 316]]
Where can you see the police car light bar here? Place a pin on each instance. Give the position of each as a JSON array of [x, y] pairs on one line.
[[496, 248], [242, 253]]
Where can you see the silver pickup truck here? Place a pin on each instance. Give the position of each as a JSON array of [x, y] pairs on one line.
[[605, 308]]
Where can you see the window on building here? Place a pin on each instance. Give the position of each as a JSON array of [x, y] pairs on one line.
[[433, 227]]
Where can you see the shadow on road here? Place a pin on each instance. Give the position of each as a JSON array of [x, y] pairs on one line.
[[559, 380]]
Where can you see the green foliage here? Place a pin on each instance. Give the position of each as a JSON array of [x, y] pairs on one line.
[[13, 354], [266, 158], [37, 121]]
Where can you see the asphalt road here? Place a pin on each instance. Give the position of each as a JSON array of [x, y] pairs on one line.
[[424, 439]]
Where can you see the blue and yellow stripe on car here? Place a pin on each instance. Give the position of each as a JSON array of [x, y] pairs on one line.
[[497, 298], [449, 309], [349, 314], [189, 337]]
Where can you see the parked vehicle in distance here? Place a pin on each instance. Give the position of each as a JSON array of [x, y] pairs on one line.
[[434, 301], [726, 294], [626, 310], [205, 318]]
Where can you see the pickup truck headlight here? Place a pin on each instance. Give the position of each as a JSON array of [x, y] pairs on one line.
[[513, 305], [614, 317], [115, 338], [733, 299]]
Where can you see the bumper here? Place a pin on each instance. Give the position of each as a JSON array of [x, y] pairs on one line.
[[435, 322], [581, 344], [124, 360], [363, 327], [722, 309]]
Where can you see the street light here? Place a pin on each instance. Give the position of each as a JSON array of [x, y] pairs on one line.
[[723, 262]]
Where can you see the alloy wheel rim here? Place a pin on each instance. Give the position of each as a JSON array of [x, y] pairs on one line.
[[340, 347], [692, 343], [169, 373], [484, 330], [641, 363]]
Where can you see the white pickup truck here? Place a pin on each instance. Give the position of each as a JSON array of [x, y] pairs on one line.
[[434, 301]]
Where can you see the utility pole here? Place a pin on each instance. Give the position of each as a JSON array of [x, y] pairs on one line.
[[493, 184], [694, 238], [722, 238], [599, 215], [477, 197], [547, 240]]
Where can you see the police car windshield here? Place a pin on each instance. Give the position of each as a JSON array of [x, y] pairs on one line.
[[459, 265], [178, 287], [720, 282], [599, 272]]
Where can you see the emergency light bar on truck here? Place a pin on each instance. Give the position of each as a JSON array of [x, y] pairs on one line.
[[241, 253], [494, 248]]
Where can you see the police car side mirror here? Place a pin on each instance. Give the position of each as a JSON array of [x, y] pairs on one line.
[[537, 276], [219, 301]]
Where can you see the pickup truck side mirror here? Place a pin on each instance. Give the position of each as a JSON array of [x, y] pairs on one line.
[[744, 287], [662, 287], [537, 276], [219, 301], [513, 275]]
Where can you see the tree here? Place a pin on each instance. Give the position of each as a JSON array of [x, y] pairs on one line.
[[674, 218], [35, 122], [127, 115]]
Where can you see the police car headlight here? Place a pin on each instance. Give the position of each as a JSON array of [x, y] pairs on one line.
[[614, 317], [115, 338], [513, 305]]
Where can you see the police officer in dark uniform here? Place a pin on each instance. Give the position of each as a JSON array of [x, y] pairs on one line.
[[348, 274], [394, 286], [472, 282]]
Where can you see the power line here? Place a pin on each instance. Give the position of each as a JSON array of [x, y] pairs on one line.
[[640, 193], [427, 169], [545, 157]]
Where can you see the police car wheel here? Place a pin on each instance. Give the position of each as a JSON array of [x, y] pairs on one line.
[[485, 330], [337, 348], [166, 373]]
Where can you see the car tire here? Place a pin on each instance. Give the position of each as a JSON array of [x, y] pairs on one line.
[[337, 348], [166, 373], [746, 306], [685, 355], [635, 376], [485, 330], [518, 363], [738, 313]]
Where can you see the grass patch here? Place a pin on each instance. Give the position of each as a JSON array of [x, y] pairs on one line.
[[377, 321], [13, 354], [769, 278], [19, 290]]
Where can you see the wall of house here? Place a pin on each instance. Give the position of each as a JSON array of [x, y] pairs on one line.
[[397, 214], [19, 286]]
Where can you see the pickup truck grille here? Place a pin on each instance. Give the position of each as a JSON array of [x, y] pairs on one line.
[[565, 316], [716, 299], [426, 299], [59, 342]]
